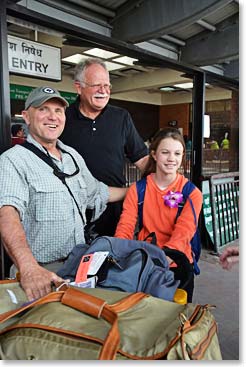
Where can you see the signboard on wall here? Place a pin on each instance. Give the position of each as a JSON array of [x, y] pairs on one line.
[[34, 59], [20, 92]]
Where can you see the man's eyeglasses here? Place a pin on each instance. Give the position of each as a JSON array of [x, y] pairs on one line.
[[97, 86]]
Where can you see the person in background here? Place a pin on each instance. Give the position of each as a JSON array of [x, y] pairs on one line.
[[162, 195], [213, 144], [103, 134], [18, 134], [229, 257], [225, 144], [42, 219]]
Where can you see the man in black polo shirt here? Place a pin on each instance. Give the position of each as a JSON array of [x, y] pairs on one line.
[[103, 134]]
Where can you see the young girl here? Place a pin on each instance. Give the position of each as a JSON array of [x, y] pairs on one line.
[[163, 192]]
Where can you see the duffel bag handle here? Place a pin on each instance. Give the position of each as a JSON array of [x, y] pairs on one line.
[[91, 305], [84, 302], [96, 307]]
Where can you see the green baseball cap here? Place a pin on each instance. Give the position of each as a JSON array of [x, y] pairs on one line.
[[42, 94]]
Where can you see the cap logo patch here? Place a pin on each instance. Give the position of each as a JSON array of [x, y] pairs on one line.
[[48, 90]]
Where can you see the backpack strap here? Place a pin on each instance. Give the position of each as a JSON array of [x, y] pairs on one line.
[[186, 191], [141, 187]]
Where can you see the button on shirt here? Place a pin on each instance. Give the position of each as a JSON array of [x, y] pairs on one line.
[[47, 211]]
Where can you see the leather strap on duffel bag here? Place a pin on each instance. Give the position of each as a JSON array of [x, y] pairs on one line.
[[91, 305]]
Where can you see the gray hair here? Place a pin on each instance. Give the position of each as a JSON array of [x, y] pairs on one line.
[[83, 65]]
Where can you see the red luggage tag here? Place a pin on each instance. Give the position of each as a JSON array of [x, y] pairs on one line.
[[83, 268]]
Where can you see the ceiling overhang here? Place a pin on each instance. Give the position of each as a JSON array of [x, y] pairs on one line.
[[148, 19]]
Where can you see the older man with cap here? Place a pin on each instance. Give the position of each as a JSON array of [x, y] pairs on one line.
[[42, 206]]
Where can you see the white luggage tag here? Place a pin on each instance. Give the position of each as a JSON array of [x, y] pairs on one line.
[[97, 261]]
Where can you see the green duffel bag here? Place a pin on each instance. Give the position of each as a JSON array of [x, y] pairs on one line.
[[12, 296], [92, 324]]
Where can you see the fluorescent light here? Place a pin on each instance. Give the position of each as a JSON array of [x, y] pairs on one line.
[[206, 126], [188, 85], [75, 59], [125, 60], [184, 85], [98, 52], [167, 89], [113, 66]]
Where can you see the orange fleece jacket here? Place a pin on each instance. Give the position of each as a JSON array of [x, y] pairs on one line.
[[159, 218]]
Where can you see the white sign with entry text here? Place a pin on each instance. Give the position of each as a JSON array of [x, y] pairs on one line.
[[34, 59]]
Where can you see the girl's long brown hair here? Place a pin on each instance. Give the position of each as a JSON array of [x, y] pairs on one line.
[[159, 136]]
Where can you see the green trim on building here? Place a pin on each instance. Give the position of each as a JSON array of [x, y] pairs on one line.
[[21, 92]]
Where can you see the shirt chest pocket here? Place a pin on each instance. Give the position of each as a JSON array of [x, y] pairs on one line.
[[50, 201]]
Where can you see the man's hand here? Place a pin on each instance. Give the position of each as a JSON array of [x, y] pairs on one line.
[[229, 257], [37, 281]]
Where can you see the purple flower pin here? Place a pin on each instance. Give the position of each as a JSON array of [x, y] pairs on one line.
[[173, 199]]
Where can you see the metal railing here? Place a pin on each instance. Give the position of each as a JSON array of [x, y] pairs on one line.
[[132, 173], [224, 196]]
